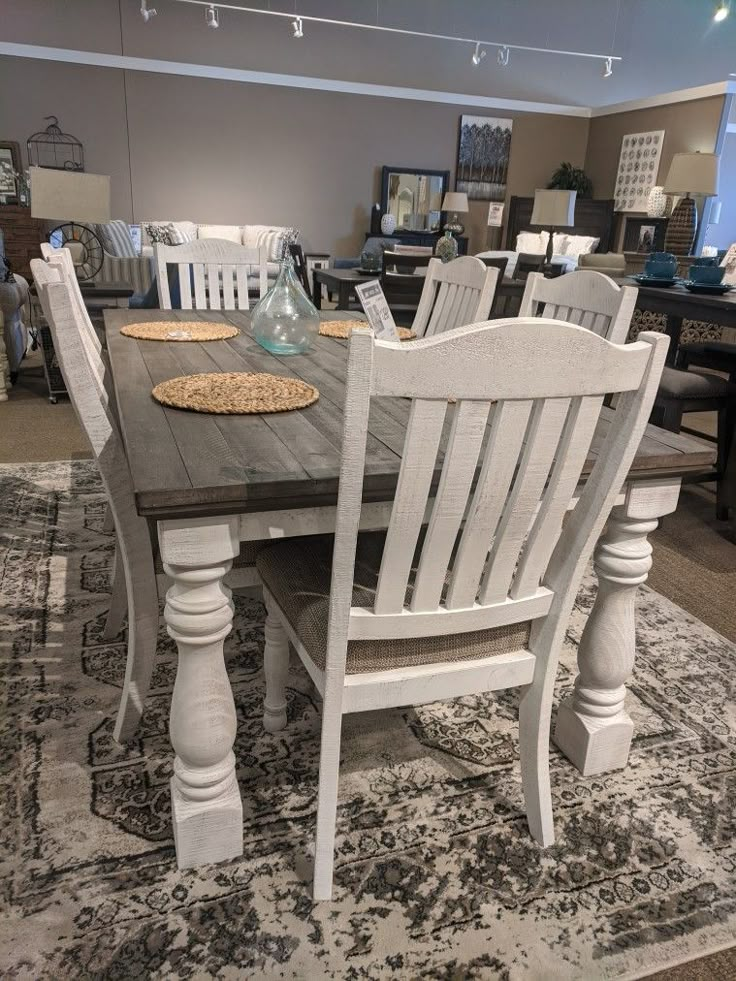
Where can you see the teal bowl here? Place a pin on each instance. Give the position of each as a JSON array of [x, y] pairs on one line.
[[663, 265], [712, 275]]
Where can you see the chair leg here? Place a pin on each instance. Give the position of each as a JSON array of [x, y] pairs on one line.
[[535, 712], [143, 617], [276, 669], [672, 417], [726, 430], [329, 776], [118, 599]]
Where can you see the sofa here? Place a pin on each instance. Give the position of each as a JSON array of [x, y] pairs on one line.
[[121, 263]]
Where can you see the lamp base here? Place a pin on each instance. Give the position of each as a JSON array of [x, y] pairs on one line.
[[681, 228], [454, 225]]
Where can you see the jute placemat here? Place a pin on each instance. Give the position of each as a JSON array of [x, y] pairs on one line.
[[167, 330], [235, 393], [342, 328]]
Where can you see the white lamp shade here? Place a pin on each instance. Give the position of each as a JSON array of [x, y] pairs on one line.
[[69, 195], [693, 173], [554, 209], [455, 201]]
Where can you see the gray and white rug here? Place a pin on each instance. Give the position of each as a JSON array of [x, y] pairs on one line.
[[436, 876]]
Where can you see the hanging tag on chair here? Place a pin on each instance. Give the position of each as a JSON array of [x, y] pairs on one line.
[[377, 310]]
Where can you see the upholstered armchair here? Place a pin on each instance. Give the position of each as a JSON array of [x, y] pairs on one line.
[[13, 331]]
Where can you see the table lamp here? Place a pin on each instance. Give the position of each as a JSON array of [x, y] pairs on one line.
[[689, 173], [553, 209], [81, 197], [455, 201]]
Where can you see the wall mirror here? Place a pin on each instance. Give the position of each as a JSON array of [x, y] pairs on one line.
[[414, 197]]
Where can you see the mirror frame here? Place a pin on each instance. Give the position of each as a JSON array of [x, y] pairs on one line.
[[444, 174]]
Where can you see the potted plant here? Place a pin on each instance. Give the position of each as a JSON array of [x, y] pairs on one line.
[[569, 178]]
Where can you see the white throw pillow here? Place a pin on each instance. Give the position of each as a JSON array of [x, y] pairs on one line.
[[229, 232], [187, 230], [574, 245], [534, 242], [273, 238]]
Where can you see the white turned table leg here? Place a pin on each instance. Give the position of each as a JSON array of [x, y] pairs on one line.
[[593, 728], [206, 806]]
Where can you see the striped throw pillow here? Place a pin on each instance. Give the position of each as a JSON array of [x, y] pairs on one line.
[[116, 239]]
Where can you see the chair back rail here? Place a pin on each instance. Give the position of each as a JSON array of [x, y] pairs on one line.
[[456, 293], [585, 297], [490, 542], [216, 269]]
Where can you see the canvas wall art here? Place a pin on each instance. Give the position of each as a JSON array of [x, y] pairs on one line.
[[483, 157], [638, 165]]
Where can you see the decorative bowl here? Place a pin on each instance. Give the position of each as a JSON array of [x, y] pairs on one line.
[[706, 274]]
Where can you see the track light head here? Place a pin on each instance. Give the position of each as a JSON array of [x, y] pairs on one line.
[[147, 12], [298, 27], [212, 16], [478, 55], [723, 8], [607, 70], [503, 56]]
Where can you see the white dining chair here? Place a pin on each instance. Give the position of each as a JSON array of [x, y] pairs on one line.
[[213, 274], [454, 294], [134, 577], [479, 599], [585, 297], [136, 587]]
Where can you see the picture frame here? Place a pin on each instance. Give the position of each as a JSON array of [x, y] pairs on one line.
[[483, 154], [10, 165], [647, 234]]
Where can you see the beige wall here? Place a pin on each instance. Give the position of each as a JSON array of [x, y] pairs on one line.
[[228, 152], [688, 126]]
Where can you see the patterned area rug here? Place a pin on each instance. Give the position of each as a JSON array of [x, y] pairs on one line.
[[436, 876]]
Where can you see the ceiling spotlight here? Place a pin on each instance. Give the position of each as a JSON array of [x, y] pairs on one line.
[[212, 16], [478, 55], [722, 11], [503, 56], [607, 68], [146, 12], [298, 27]]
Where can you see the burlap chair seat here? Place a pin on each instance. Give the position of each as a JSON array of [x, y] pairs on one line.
[[297, 574]]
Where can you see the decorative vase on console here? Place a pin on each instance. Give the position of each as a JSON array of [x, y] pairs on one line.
[[446, 248], [285, 320], [388, 224], [657, 203]]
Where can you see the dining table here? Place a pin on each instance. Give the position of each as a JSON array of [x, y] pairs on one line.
[[211, 482]]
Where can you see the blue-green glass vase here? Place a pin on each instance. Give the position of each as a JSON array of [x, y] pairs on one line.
[[446, 248], [285, 321]]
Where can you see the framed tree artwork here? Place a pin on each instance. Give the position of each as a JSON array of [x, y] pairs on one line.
[[483, 155]]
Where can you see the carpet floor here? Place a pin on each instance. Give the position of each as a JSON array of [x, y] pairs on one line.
[[436, 875]]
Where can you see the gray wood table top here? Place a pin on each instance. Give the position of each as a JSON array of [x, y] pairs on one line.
[[186, 463]]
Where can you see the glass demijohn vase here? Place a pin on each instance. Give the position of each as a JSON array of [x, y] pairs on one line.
[[285, 320], [446, 248]]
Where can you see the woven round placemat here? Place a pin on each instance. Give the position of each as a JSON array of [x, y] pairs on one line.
[[342, 328], [235, 393], [167, 330]]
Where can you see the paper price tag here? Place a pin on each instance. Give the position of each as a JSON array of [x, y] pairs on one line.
[[377, 310], [495, 215]]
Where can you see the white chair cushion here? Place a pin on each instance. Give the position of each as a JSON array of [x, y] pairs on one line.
[[230, 233]]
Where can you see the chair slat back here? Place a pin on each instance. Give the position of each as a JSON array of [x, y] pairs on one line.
[[213, 274], [529, 393], [59, 268], [585, 297], [454, 294]]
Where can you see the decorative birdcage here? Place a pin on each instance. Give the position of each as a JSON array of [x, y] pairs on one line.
[[54, 149]]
